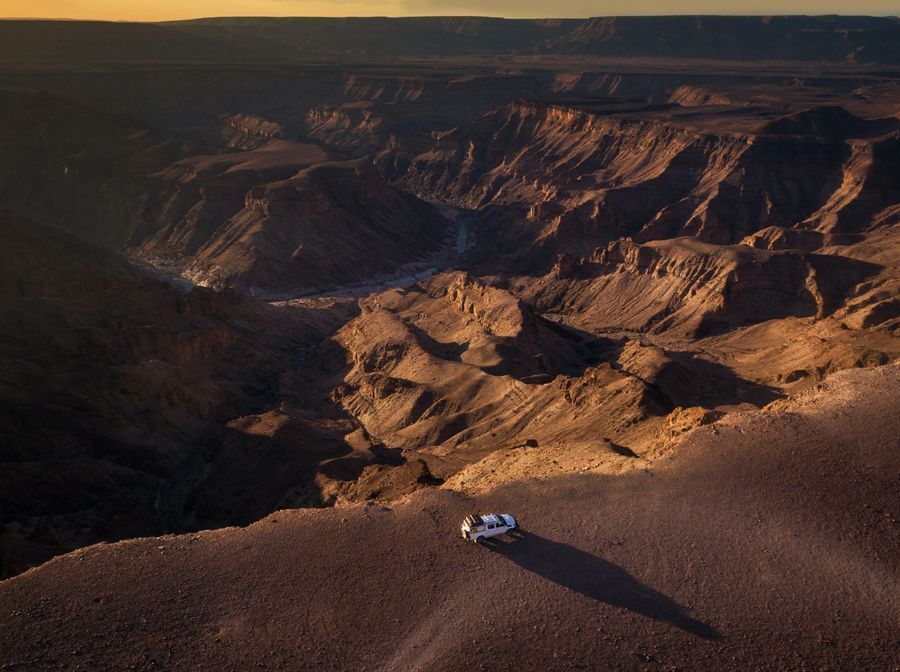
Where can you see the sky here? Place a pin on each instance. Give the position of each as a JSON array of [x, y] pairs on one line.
[[156, 10]]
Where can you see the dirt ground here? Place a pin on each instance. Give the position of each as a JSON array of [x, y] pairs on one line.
[[765, 541]]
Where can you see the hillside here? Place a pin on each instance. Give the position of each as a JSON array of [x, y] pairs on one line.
[[783, 556]]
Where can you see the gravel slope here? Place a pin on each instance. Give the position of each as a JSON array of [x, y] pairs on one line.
[[766, 541]]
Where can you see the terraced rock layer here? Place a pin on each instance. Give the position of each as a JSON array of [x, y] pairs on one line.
[[586, 178]]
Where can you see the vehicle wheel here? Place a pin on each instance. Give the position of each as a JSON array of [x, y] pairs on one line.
[[479, 540]]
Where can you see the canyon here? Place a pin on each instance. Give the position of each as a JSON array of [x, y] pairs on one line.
[[283, 299]]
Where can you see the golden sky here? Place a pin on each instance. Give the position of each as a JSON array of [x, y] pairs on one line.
[[153, 10]]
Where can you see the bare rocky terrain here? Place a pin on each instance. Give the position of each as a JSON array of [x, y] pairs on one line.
[[766, 541], [282, 300]]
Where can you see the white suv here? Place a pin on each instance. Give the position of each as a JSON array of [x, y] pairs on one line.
[[479, 527]]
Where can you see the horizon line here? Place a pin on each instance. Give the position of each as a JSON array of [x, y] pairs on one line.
[[64, 19]]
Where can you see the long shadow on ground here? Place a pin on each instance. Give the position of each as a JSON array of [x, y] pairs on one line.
[[597, 579]]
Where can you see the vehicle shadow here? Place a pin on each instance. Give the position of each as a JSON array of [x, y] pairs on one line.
[[597, 579]]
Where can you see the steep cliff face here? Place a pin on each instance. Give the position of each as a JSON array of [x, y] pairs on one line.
[[583, 174], [383, 114], [589, 178], [248, 131], [281, 219], [688, 95], [866, 198], [356, 127]]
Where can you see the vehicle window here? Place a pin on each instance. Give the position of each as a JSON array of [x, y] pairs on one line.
[[491, 526]]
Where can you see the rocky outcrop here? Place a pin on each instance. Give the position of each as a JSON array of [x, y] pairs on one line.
[[356, 127], [460, 363], [327, 225], [392, 116], [695, 288], [247, 131], [498, 312], [780, 238], [687, 95]]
